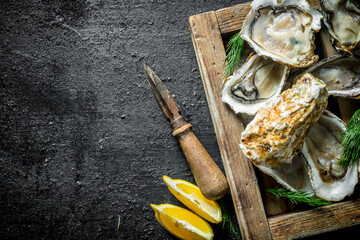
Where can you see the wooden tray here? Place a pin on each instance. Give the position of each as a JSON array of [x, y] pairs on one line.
[[260, 216]]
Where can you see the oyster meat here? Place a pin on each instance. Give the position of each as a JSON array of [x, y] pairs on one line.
[[278, 130], [257, 81], [342, 19], [283, 30], [322, 152], [341, 74]]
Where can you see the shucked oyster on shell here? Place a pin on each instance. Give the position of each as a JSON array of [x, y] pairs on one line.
[[322, 152], [257, 81], [341, 74], [342, 19], [283, 30], [278, 130]]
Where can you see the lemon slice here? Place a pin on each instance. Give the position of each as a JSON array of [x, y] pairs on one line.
[[191, 196], [181, 222]]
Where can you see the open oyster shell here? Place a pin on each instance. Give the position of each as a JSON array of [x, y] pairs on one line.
[[257, 81], [293, 176], [342, 19], [341, 74], [283, 30], [322, 152]]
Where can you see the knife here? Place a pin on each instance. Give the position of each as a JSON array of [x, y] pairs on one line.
[[208, 176]]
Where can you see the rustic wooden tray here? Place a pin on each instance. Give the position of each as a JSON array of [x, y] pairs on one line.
[[260, 216]]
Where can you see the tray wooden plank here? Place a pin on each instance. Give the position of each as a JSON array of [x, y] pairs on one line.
[[230, 19], [240, 172], [315, 221], [207, 32]]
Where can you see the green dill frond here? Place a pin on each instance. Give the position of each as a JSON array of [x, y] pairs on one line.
[[298, 196], [234, 51], [350, 142], [226, 223]]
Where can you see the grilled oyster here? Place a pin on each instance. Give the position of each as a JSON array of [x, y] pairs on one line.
[[278, 130], [342, 19], [257, 81], [341, 74], [283, 30], [322, 153]]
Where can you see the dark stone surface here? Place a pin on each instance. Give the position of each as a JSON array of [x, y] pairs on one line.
[[82, 140]]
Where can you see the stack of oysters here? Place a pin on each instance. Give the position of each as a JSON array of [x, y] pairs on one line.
[[292, 137]]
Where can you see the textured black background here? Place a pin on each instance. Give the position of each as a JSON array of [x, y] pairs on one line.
[[82, 140]]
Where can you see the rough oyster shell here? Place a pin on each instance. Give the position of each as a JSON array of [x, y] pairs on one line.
[[257, 81], [283, 30], [342, 19], [322, 153], [278, 130]]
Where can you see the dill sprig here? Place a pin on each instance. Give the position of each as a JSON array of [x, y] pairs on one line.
[[234, 51], [226, 223], [350, 142], [298, 196]]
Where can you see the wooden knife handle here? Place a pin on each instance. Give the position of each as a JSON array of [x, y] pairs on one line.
[[208, 176]]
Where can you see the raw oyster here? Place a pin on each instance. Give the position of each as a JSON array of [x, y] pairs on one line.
[[278, 130], [342, 19], [283, 30], [322, 152], [341, 74], [257, 81]]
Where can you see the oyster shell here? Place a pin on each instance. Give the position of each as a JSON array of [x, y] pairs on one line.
[[278, 130], [257, 81], [341, 74], [322, 152], [283, 30], [342, 19], [293, 176]]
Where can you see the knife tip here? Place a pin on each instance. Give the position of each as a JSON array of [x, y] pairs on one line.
[[146, 66], [147, 70]]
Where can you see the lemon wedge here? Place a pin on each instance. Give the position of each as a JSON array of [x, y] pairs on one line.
[[181, 222], [191, 196]]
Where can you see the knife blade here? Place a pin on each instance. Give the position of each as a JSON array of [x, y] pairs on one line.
[[208, 176]]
